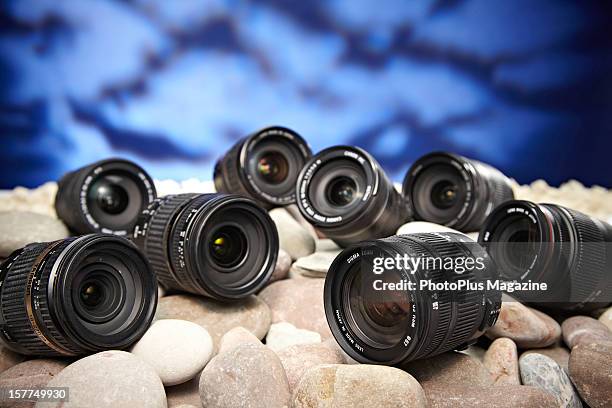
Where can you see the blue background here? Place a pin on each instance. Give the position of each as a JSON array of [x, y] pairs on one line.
[[523, 84]]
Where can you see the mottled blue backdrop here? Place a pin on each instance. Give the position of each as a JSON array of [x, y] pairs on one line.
[[523, 84]]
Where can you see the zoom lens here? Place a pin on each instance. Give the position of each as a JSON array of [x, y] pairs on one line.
[[107, 196], [569, 251], [345, 193], [215, 245], [398, 299], [263, 166], [452, 190], [76, 296]]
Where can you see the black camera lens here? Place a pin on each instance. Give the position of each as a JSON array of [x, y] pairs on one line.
[[345, 193], [387, 317], [76, 296], [107, 196], [263, 166], [569, 251], [216, 245], [228, 246], [452, 190]]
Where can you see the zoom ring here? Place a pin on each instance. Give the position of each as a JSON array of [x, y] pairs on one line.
[[227, 172], [13, 298], [177, 255], [468, 314], [438, 334], [590, 266], [155, 242], [14, 309], [42, 300]]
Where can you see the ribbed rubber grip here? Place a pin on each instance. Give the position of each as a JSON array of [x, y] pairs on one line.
[[459, 316], [226, 174], [187, 279], [17, 323], [156, 230], [590, 264]]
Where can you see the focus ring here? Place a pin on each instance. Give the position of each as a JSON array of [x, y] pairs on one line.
[[590, 262], [177, 255], [14, 309], [155, 242], [40, 297], [227, 173]]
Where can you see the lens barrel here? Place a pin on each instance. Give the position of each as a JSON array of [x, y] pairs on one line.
[[107, 196], [345, 194], [454, 191], [263, 166], [216, 245], [401, 324], [564, 248], [75, 296]]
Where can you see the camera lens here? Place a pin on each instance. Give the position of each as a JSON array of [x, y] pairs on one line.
[[228, 246], [345, 194], [216, 245], [342, 191], [452, 190], [107, 196], [377, 317], [569, 251], [273, 168], [263, 166], [76, 296]]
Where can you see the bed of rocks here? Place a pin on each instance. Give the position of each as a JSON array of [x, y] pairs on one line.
[[275, 349]]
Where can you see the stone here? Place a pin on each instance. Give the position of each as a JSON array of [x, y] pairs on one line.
[[283, 264], [29, 374], [590, 368], [217, 317], [414, 227], [475, 352], [449, 368], [298, 359], [294, 238], [285, 334], [583, 330], [299, 302], [247, 376], [344, 386], [236, 337], [177, 349], [501, 396], [111, 379], [543, 372], [314, 265], [558, 353], [326, 245], [501, 359], [9, 358], [527, 327], [294, 211], [39, 200], [185, 394], [17, 229], [606, 318]]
